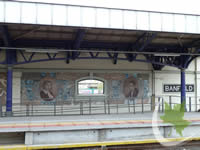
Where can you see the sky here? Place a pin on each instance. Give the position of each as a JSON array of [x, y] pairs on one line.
[[174, 6]]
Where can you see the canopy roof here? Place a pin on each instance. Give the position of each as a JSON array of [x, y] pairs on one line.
[[48, 26], [96, 38]]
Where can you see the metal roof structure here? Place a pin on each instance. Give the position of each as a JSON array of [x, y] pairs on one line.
[[73, 29], [96, 17]]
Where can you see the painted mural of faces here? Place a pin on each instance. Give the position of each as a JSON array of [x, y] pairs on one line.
[[46, 92], [47, 85], [131, 89]]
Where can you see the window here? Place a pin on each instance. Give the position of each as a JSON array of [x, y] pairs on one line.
[[90, 87]]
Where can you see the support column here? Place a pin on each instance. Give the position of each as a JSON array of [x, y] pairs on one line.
[[9, 92], [183, 93]]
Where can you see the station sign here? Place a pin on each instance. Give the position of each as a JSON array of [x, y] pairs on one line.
[[177, 88]]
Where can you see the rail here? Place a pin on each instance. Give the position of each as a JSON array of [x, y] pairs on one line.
[[93, 107]]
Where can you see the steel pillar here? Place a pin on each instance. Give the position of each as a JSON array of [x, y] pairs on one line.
[[9, 92], [183, 93]]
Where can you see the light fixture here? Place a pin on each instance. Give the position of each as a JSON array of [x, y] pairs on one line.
[[166, 54], [41, 51]]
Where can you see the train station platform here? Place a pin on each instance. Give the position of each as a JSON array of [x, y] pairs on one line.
[[89, 76], [91, 130], [55, 123]]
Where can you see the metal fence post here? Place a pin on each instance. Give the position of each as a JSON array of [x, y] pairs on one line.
[[142, 106], [32, 109], [105, 106], [198, 109], [163, 105], [27, 109], [197, 106], [159, 104], [90, 106], [170, 101], [190, 103], [128, 106], [117, 108], [55, 109], [81, 107], [108, 107], [62, 108], [82, 103]]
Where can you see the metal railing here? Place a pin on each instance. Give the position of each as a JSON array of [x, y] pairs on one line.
[[104, 106], [192, 103]]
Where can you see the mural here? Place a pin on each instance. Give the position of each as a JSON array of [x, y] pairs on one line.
[[115, 89], [127, 88], [48, 88], [3, 86]]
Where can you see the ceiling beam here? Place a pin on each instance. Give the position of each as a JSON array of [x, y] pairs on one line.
[[115, 56], [147, 42], [140, 44], [11, 55], [61, 44], [78, 39], [77, 42], [156, 66], [5, 35]]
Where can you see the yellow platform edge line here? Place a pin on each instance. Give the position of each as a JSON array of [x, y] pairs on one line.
[[85, 145]]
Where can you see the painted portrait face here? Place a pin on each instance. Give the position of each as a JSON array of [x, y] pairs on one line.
[[47, 85], [131, 86]]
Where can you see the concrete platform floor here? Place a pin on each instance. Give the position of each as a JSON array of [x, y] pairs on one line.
[[53, 123], [103, 117]]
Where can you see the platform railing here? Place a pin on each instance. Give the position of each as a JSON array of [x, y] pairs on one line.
[[192, 103], [93, 107]]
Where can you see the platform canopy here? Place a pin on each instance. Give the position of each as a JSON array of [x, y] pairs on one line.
[[82, 16], [163, 38]]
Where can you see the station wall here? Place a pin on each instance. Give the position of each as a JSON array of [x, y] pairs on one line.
[[157, 79]]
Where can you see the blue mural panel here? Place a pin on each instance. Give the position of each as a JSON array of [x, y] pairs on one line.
[[50, 88], [116, 89], [45, 88]]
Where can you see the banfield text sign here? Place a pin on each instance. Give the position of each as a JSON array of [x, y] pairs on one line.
[[177, 88]]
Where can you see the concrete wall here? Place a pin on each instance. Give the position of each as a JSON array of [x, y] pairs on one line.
[[100, 135], [171, 75]]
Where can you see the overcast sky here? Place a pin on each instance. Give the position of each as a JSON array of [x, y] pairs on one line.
[[177, 6]]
